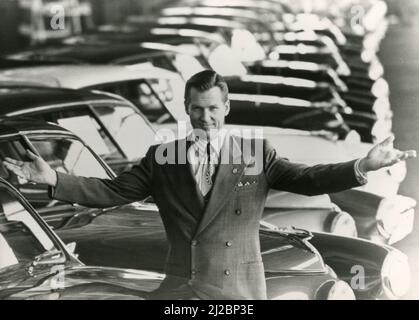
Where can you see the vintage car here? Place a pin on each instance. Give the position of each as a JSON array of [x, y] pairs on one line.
[[360, 74], [123, 236], [110, 122], [149, 88], [333, 19], [95, 48], [107, 122], [263, 24], [71, 76], [35, 264], [288, 45], [246, 46]]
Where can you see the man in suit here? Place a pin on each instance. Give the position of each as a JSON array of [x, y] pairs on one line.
[[211, 195]]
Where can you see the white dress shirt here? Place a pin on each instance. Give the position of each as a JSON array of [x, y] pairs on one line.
[[197, 154]]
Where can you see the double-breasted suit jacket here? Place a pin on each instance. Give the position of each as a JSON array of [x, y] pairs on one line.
[[214, 241]]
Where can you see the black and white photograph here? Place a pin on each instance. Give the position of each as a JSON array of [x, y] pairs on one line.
[[218, 150]]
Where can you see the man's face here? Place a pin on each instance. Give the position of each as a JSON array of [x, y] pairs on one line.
[[207, 109]]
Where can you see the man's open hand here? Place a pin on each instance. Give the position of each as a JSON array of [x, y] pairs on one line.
[[384, 155], [37, 170]]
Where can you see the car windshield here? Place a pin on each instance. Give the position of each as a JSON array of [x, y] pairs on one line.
[[63, 154], [245, 45], [225, 61], [149, 97], [170, 91], [124, 123], [22, 239], [187, 65]]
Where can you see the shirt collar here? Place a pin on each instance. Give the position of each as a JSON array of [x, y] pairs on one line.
[[216, 143]]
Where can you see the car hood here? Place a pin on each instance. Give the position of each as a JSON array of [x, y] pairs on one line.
[[308, 147], [137, 230], [81, 282]]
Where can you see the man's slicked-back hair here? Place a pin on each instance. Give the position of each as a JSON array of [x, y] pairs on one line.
[[205, 80]]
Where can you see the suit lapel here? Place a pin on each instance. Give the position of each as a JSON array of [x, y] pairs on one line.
[[227, 176], [185, 185]]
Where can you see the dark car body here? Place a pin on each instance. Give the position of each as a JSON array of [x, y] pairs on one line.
[[36, 264]]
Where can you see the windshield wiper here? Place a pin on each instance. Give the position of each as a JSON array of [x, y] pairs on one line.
[[298, 237]]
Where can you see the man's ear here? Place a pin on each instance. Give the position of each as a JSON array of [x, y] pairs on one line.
[[227, 107], [185, 102]]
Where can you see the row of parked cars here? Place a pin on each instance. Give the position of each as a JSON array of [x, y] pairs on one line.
[[92, 104]]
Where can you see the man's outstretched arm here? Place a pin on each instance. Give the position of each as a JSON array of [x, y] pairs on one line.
[[129, 186], [298, 178]]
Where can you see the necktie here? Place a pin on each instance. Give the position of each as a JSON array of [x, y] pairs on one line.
[[207, 171]]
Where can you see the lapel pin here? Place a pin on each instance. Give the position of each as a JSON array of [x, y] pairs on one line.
[[235, 170]]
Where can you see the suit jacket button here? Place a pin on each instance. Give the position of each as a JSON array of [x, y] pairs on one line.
[[227, 272], [193, 272], [229, 243], [194, 243], [238, 212], [235, 170]]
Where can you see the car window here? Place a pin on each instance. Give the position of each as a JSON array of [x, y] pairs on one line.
[[21, 237], [128, 128], [143, 97], [81, 121], [69, 156], [63, 154]]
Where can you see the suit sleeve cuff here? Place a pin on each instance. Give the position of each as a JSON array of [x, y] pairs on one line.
[[52, 191], [360, 176]]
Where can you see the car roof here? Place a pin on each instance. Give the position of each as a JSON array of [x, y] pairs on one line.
[[14, 98], [79, 53], [275, 6], [105, 47], [81, 76], [203, 11], [25, 125], [208, 24]]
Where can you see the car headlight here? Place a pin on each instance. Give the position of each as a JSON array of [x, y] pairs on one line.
[[367, 55], [371, 42], [376, 70], [398, 171], [343, 69], [380, 88], [344, 225], [395, 274], [341, 291], [381, 108], [395, 217], [273, 55], [353, 137], [381, 130]]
